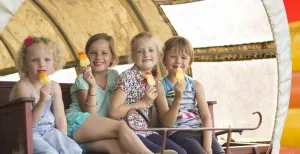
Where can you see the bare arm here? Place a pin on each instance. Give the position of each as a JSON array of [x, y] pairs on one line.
[[87, 98], [118, 109], [167, 115], [204, 114], [58, 109], [22, 89]]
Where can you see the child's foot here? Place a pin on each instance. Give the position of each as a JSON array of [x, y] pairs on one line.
[[168, 152]]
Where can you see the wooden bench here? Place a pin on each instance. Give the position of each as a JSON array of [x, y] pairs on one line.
[[16, 123]]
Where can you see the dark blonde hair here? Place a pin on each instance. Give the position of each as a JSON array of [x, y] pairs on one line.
[[57, 54], [180, 45], [109, 39], [156, 41]]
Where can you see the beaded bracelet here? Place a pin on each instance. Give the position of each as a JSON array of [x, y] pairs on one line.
[[91, 105]]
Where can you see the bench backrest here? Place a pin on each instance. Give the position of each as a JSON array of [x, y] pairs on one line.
[[5, 88]]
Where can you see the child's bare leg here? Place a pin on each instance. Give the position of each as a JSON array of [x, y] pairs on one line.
[[106, 145], [96, 128]]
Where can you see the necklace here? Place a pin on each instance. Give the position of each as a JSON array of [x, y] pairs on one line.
[[36, 90], [102, 86]]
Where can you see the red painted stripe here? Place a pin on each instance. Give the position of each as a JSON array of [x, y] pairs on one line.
[[292, 8], [289, 150], [295, 90]]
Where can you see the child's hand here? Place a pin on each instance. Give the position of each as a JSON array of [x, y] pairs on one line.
[[179, 88], [45, 93], [150, 95], [88, 76], [208, 150]]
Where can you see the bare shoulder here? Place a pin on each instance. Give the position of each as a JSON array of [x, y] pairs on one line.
[[198, 85], [21, 84], [200, 94], [55, 86], [20, 89], [159, 85]]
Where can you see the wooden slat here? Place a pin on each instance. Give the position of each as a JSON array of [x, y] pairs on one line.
[[16, 134], [249, 149]]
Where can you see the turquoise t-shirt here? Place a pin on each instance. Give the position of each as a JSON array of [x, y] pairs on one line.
[[103, 96]]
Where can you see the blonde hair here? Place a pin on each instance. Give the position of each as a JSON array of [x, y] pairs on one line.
[[156, 41], [109, 39], [180, 45], [57, 54]]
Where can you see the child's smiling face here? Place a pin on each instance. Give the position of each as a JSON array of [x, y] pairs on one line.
[[174, 59], [145, 54], [100, 55]]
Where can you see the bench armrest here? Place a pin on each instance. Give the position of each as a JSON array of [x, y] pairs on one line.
[[16, 101], [16, 126], [211, 102]]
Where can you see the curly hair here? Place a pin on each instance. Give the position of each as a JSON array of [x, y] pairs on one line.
[[53, 48], [156, 41]]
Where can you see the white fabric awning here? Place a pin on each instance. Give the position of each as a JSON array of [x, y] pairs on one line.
[[219, 22], [8, 8]]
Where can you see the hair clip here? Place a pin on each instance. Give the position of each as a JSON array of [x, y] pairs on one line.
[[28, 41]]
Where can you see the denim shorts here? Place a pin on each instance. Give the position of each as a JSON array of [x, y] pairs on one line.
[[75, 120]]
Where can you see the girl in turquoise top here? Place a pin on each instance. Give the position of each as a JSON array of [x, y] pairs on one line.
[[86, 117]]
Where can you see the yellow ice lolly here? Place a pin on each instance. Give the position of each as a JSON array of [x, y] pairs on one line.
[[83, 59], [179, 74], [44, 78], [150, 79]]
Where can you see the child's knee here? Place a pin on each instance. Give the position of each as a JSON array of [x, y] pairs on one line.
[[123, 126], [180, 150]]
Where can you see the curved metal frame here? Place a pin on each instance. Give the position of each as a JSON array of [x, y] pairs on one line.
[[164, 130]]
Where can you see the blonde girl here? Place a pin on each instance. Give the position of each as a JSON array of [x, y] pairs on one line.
[[132, 90], [49, 124]]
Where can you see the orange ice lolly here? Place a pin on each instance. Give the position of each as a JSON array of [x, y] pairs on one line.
[[150, 79], [44, 78], [179, 74], [83, 59]]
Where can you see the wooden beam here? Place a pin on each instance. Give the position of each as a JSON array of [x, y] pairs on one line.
[[60, 30], [235, 55], [166, 19], [236, 52], [7, 47], [174, 2], [138, 14]]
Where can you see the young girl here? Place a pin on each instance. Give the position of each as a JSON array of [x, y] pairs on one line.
[[86, 117], [132, 90], [48, 117], [182, 103]]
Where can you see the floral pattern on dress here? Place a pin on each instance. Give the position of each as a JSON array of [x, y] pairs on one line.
[[132, 81]]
